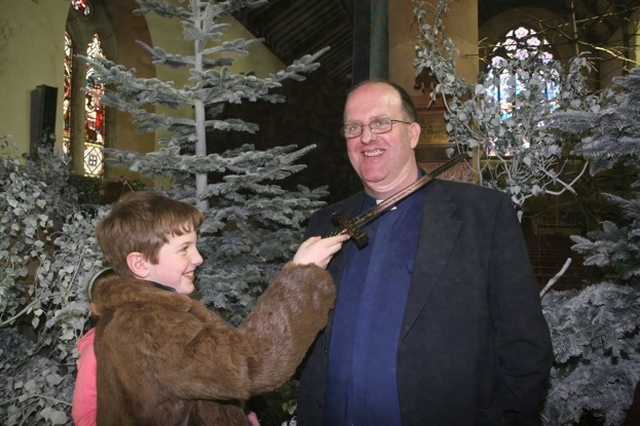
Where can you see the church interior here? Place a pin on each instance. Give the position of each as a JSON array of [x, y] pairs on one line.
[[367, 39]]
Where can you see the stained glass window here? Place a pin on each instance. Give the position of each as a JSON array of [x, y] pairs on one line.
[[66, 102], [94, 124], [81, 6], [93, 133], [519, 44]]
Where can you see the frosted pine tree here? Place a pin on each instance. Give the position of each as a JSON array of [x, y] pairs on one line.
[[596, 331], [252, 225]]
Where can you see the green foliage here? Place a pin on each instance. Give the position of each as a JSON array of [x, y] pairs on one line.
[[48, 252]]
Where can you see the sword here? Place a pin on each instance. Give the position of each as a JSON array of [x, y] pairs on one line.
[[353, 226]]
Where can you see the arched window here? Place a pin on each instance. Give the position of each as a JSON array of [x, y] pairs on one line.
[[85, 119], [66, 99], [522, 61], [519, 45], [94, 121], [93, 134], [81, 6]]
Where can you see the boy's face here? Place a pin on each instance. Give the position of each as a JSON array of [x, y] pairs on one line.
[[177, 262]]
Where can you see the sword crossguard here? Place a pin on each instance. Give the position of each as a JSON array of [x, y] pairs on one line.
[[352, 226], [348, 226]]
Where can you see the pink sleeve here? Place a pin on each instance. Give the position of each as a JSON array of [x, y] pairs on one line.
[[85, 394]]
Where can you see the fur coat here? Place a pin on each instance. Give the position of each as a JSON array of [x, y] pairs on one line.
[[165, 359]]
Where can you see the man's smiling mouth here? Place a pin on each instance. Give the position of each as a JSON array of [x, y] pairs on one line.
[[375, 153]]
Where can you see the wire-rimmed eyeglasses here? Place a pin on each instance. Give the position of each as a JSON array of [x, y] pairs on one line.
[[378, 126]]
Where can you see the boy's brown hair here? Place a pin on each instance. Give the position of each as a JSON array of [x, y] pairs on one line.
[[143, 222]]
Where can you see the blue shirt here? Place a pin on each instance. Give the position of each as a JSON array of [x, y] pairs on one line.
[[361, 378]]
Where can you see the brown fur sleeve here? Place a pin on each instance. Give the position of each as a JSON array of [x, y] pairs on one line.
[[291, 312], [195, 355]]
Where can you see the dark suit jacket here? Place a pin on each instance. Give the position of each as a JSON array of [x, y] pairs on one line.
[[633, 415], [474, 347]]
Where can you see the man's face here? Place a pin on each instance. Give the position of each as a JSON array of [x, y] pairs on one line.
[[177, 262], [385, 162]]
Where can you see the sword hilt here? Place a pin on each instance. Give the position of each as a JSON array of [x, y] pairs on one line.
[[348, 226], [352, 227]]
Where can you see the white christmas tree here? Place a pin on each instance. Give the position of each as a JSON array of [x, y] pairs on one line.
[[596, 330], [252, 225]]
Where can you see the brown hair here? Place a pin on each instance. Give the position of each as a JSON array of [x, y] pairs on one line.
[[143, 222]]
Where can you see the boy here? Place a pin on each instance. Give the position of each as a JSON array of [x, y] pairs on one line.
[[163, 358]]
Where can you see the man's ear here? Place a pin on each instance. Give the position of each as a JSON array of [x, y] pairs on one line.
[[415, 130], [137, 264]]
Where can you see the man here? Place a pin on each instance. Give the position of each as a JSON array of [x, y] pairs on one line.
[[438, 319]]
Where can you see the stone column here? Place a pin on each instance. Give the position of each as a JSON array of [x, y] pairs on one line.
[[460, 24], [370, 43], [379, 59]]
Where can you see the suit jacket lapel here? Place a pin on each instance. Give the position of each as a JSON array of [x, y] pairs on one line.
[[438, 235]]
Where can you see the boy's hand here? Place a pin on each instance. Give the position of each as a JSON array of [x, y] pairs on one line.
[[318, 250]]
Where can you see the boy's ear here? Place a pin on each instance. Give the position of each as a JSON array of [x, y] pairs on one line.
[[94, 311], [137, 264]]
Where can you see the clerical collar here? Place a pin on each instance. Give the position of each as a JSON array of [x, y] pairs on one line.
[[377, 201]]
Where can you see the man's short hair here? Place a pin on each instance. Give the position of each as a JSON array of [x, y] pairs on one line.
[[143, 222], [408, 106]]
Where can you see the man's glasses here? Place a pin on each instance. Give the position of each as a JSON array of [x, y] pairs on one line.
[[381, 125]]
